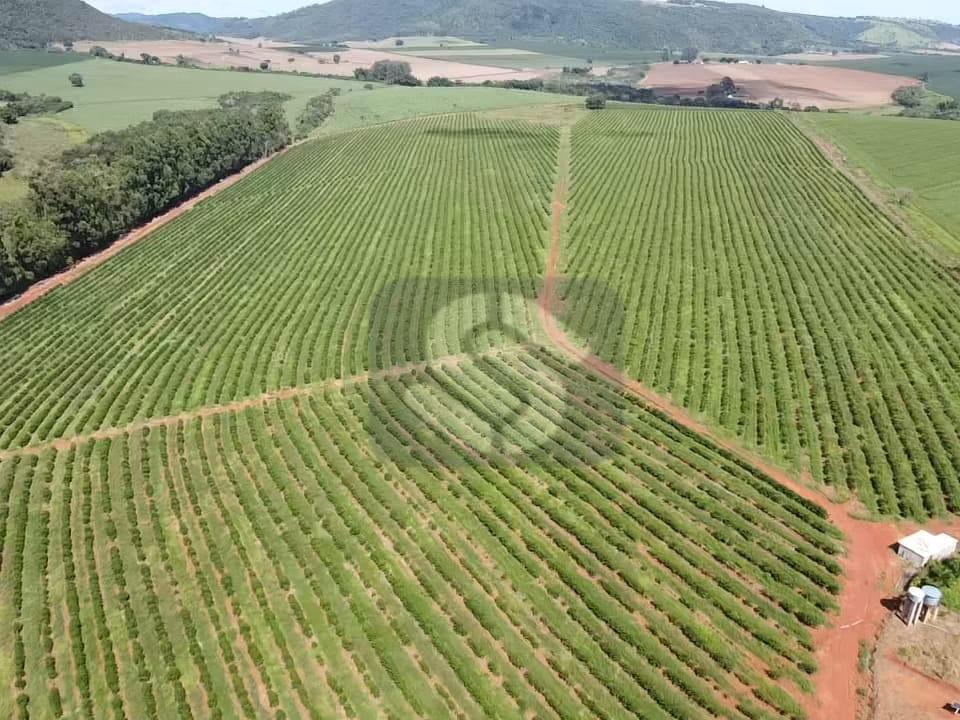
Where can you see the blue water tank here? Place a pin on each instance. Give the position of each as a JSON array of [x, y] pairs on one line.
[[931, 596]]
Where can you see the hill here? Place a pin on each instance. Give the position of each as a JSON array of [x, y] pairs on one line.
[[193, 22], [34, 23], [717, 26]]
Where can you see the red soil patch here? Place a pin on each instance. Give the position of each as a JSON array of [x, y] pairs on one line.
[[825, 87], [38, 290]]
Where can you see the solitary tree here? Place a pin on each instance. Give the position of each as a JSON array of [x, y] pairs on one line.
[[595, 102], [398, 42], [76, 79], [264, 65], [336, 59]]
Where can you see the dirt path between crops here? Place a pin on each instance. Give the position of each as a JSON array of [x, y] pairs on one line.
[[38, 290], [871, 571], [285, 393]]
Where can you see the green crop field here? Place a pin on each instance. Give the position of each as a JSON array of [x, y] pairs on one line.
[[15, 61], [912, 153], [322, 250], [302, 456], [343, 551], [763, 290], [303, 451]]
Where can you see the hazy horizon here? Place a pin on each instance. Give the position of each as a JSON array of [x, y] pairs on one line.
[[926, 9]]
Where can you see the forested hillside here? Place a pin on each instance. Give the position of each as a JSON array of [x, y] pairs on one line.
[[191, 22], [34, 23], [717, 26]]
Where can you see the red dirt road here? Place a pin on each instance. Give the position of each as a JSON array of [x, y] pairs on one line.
[[870, 569], [41, 288]]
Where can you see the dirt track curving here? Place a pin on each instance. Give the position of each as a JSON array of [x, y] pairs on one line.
[[870, 568]]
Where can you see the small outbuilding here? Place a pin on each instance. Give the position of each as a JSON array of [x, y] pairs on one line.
[[921, 547]]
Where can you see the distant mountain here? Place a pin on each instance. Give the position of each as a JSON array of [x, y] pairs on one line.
[[34, 23], [194, 23], [705, 24]]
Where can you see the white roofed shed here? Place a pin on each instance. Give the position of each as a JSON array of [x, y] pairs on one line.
[[921, 547]]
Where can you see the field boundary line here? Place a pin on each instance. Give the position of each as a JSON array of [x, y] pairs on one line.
[[394, 371], [875, 191]]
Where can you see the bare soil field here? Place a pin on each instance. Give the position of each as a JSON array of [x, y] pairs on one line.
[[827, 57], [247, 53], [917, 669], [825, 87]]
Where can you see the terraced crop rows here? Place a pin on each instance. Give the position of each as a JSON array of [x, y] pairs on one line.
[[391, 549], [286, 277], [762, 289]]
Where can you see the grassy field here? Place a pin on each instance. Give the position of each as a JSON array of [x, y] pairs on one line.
[[425, 514], [33, 140], [117, 95], [917, 154], [763, 290], [943, 71], [14, 61], [386, 104]]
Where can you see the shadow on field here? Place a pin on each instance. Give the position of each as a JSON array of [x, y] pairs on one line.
[[496, 395]]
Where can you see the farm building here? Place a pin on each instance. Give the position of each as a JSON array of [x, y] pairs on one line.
[[921, 547]]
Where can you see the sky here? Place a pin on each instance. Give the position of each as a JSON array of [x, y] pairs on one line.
[[948, 10]]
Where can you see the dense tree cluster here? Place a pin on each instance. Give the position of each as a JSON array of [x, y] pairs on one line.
[[909, 95], [318, 109], [18, 105], [718, 95], [118, 180], [247, 100], [391, 72]]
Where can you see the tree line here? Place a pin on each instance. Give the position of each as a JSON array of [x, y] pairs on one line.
[[18, 105], [118, 180]]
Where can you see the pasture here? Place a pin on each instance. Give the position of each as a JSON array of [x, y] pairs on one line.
[[14, 61], [117, 95], [911, 153], [764, 291], [33, 140]]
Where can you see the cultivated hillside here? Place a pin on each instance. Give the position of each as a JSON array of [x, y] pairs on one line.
[[34, 23], [716, 26]]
